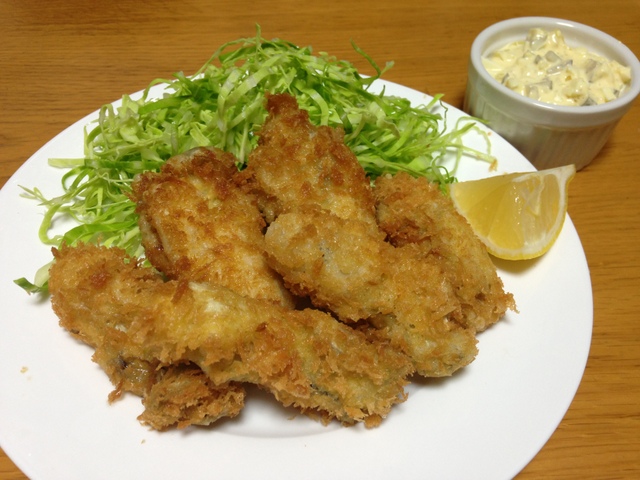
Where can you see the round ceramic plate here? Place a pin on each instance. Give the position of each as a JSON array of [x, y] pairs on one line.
[[488, 421]]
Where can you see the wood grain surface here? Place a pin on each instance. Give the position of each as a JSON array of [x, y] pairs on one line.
[[60, 60]]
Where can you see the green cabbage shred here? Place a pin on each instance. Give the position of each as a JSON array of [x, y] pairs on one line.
[[223, 105]]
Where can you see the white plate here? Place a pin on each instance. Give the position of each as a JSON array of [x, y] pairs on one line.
[[488, 421]]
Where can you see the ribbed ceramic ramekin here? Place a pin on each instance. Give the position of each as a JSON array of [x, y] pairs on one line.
[[547, 135]]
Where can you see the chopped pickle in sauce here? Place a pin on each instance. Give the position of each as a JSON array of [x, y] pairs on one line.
[[543, 67]]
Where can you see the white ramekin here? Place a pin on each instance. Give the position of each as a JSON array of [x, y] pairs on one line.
[[547, 135]]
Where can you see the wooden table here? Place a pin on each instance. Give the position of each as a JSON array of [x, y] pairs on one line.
[[61, 60]]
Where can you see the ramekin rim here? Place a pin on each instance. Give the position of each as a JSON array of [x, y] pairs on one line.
[[622, 102]]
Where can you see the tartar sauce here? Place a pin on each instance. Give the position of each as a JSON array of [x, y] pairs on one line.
[[545, 68]]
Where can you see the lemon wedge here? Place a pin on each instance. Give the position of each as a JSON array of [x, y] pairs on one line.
[[518, 216]]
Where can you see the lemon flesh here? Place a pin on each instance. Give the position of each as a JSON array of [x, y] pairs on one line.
[[518, 216]]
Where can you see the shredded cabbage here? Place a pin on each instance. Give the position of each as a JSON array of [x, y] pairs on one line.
[[223, 105]]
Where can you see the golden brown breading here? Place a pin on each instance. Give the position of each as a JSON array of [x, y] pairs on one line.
[[336, 262], [413, 211], [348, 268], [324, 240], [305, 358], [197, 225], [172, 395], [183, 395], [163, 388], [297, 163]]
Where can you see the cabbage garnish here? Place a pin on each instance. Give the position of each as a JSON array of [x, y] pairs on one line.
[[223, 105]]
